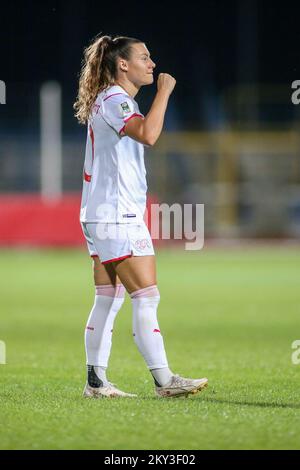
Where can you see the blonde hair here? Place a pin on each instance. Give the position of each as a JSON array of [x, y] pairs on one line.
[[99, 70]]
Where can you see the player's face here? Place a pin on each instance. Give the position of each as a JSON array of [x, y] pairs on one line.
[[140, 66]]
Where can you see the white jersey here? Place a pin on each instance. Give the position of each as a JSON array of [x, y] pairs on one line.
[[114, 174]]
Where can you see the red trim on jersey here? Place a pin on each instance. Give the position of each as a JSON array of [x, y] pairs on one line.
[[93, 141], [116, 259], [87, 177], [133, 115], [96, 108], [128, 119], [113, 94], [94, 256]]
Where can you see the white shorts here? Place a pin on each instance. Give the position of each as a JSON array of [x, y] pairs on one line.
[[113, 242]]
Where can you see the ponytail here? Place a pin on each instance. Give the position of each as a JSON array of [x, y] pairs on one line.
[[99, 71]]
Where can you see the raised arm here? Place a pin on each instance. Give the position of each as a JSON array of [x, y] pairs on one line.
[[148, 130]]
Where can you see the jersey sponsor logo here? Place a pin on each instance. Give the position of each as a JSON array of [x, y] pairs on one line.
[[125, 108], [128, 215]]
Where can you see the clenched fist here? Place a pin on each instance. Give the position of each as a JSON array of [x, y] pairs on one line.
[[166, 82]]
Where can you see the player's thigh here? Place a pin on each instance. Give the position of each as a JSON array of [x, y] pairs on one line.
[[136, 272], [104, 274]]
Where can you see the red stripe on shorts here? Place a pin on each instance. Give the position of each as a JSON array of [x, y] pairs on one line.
[[116, 259]]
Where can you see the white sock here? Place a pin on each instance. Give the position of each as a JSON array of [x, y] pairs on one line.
[[101, 374], [146, 330], [99, 328], [161, 376]]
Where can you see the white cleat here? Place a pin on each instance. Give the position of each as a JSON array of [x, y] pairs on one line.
[[179, 386], [109, 391]]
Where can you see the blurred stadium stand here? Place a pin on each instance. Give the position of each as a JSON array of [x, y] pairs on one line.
[[246, 173], [231, 134]]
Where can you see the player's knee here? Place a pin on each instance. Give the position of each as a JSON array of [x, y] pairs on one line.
[[109, 290], [147, 292]]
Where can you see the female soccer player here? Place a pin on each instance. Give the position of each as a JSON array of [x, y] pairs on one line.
[[113, 205]]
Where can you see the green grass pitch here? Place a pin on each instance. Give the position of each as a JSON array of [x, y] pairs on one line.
[[228, 314]]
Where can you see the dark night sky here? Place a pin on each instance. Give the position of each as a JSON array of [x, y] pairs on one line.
[[208, 46]]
